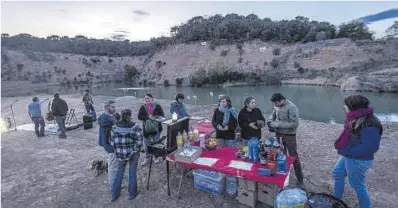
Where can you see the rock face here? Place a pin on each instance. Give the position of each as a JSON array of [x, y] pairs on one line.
[[381, 81]]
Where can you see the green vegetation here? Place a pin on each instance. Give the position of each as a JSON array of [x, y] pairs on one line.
[[231, 28]]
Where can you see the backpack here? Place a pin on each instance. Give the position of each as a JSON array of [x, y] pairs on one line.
[[151, 126]]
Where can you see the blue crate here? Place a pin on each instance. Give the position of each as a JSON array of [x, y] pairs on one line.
[[209, 181]]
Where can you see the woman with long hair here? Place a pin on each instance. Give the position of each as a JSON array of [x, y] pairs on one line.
[[225, 121], [251, 120], [357, 145], [152, 128]]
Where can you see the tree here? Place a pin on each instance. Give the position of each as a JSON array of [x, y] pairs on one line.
[[19, 68], [355, 30]]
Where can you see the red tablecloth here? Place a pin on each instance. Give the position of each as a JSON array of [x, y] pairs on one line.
[[204, 128], [225, 155]]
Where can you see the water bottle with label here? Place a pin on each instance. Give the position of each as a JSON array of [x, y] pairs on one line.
[[281, 163], [231, 185]]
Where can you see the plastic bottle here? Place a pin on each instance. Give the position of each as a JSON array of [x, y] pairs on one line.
[[231, 185], [180, 140], [281, 163], [202, 140]]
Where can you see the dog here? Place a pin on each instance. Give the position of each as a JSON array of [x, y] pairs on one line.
[[100, 166]]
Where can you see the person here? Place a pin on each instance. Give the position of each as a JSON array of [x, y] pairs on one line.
[[151, 128], [250, 120], [34, 111], [178, 107], [357, 144], [225, 121], [285, 120], [88, 102], [106, 121], [126, 140], [60, 108]]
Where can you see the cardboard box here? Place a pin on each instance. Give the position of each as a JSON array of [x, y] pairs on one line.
[[188, 155], [249, 185], [265, 194], [247, 197]]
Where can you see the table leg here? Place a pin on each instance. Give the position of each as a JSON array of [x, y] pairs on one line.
[[275, 190], [149, 173], [182, 176], [168, 177]]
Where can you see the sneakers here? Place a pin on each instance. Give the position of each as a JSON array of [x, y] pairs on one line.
[[146, 161], [158, 160]]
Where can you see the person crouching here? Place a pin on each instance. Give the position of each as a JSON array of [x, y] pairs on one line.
[[127, 140]]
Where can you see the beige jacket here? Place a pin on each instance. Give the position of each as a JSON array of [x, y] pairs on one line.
[[286, 118]]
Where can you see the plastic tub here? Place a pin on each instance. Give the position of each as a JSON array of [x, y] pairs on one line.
[[209, 181]]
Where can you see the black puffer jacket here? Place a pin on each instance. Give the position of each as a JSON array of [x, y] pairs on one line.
[[245, 118], [59, 107]]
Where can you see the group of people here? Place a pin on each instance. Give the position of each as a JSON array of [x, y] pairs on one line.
[[124, 140]]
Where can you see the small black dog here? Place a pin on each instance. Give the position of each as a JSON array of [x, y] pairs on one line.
[[100, 166]]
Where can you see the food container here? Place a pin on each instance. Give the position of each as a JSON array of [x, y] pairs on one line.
[[188, 155]]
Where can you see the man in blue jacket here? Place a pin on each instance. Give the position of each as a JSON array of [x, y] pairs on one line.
[[34, 111], [106, 121]]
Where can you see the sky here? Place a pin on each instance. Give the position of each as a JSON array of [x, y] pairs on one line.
[[143, 20]]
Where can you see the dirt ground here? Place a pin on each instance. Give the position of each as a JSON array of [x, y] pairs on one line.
[[49, 172]]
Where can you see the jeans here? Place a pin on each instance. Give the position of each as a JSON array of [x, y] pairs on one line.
[[117, 183], [112, 168], [39, 121], [61, 124], [89, 108], [356, 172], [226, 143], [148, 140]]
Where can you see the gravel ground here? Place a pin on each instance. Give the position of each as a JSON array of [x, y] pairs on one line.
[[49, 172]]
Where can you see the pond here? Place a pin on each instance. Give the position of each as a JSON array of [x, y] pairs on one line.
[[314, 102]]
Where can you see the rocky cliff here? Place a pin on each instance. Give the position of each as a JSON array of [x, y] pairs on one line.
[[352, 65]]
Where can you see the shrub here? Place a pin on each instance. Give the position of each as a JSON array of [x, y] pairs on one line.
[[110, 60], [224, 53], [276, 51], [95, 60], [300, 70], [159, 64], [212, 46], [166, 83], [199, 78], [179, 81], [296, 64], [274, 63], [265, 63], [66, 58], [240, 60], [239, 45]]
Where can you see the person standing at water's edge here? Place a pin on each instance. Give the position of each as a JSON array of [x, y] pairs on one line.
[[126, 139], [178, 107], [225, 121], [34, 111], [88, 102], [152, 128], [285, 120], [357, 145], [105, 122], [60, 108]]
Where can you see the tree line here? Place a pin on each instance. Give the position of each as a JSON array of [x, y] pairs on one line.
[[217, 29]]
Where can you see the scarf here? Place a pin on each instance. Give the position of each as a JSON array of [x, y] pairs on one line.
[[150, 108], [350, 116], [227, 112]]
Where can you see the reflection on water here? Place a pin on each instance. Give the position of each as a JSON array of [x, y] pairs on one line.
[[314, 103]]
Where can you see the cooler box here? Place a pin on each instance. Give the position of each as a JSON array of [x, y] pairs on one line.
[[87, 122], [209, 181]]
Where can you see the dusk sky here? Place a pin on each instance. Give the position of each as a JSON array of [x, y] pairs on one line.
[[143, 20]]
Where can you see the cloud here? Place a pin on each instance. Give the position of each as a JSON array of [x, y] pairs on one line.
[[62, 11], [140, 13], [119, 35], [388, 14]]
